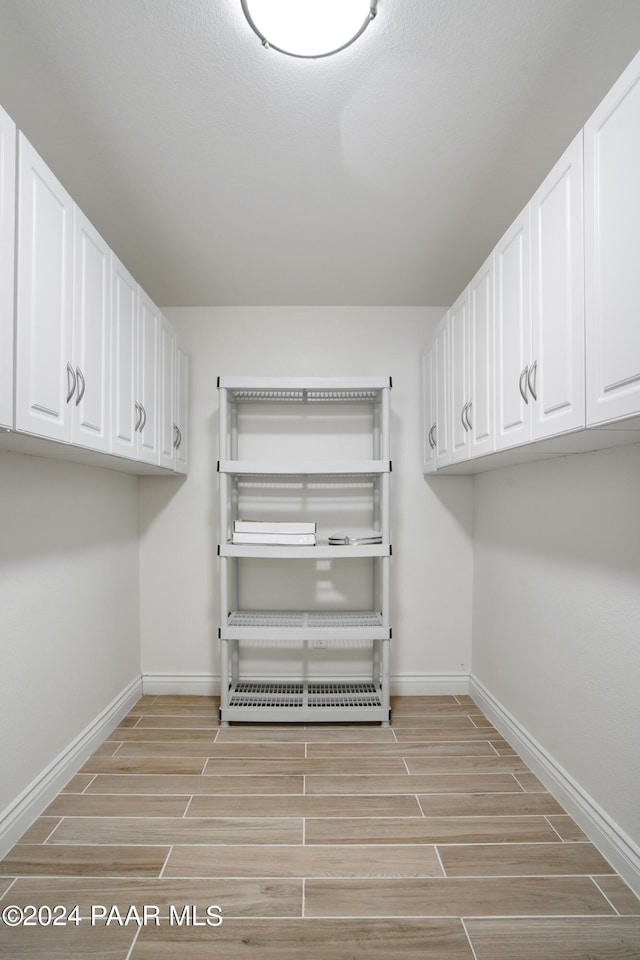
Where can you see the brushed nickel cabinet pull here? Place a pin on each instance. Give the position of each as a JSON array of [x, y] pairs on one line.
[[83, 385], [71, 382], [523, 385], [533, 370]]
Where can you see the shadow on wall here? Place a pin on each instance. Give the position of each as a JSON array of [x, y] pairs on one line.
[[581, 509], [51, 507]]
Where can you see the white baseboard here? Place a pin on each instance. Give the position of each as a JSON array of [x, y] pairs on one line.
[[408, 685], [612, 842], [39, 794]]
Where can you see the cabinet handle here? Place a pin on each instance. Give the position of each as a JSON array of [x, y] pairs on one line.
[[71, 382], [467, 417], [83, 386], [177, 436], [136, 425], [179, 443], [432, 437], [434, 430], [523, 385], [144, 417], [462, 417], [533, 369]]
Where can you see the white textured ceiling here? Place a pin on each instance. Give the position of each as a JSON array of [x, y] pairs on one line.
[[224, 173]]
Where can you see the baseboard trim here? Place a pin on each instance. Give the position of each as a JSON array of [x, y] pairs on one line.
[[408, 685], [28, 806], [612, 842]]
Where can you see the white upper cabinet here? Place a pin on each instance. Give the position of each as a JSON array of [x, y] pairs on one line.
[[540, 311], [86, 357], [471, 368], [612, 230], [148, 380], [555, 375], [181, 425], [124, 361], [513, 333], [90, 355], [441, 433], [458, 382], [167, 394], [45, 374], [7, 260], [479, 414], [428, 410]]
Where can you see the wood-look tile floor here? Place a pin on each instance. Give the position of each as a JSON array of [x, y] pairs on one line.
[[429, 839]]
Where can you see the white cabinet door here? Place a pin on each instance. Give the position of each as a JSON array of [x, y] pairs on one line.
[[513, 334], [45, 376], [441, 434], [555, 376], [167, 394], [458, 334], [479, 413], [91, 337], [181, 440], [124, 361], [7, 260], [428, 410], [148, 426], [612, 231]]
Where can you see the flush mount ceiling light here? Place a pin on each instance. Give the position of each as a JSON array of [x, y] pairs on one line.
[[309, 29]]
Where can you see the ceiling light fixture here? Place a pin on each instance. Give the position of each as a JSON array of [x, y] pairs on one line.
[[311, 29]]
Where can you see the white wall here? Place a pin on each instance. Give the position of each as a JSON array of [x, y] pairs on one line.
[[69, 609], [432, 522], [556, 627]]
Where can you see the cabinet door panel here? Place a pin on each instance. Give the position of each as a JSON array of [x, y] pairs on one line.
[[91, 336], [480, 413], [441, 361], [124, 359], [612, 229], [7, 252], [557, 255], [428, 410], [513, 334], [459, 352], [44, 300], [167, 394], [182, 410], [148, 370]]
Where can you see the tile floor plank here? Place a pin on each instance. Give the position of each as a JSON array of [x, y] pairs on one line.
[[161, 765], [82, 942], [430, 830], [621, 896], [373, 765], [158, 830], [426, 783], [237, 898], [84, 860], [305, 806], [521, 896], [191, 785], [566, 939], [118, 805], [342, 860], [206, 749], [421, 748], [309, 940], [520, 859], [488, 804]]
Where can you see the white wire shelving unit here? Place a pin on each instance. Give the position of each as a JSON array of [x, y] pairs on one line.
[[280, 415]]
